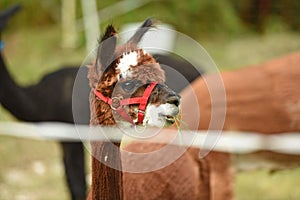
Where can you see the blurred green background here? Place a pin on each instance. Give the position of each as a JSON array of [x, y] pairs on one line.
[[235, 33]]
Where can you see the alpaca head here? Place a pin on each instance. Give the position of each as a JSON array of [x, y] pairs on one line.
[[123, 74]]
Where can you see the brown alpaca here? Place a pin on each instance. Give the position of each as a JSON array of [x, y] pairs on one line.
[[127, 72], [264, 98]]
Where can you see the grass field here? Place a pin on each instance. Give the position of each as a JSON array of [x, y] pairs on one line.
[[32, 170]]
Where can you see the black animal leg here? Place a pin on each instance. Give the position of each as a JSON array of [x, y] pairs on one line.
[[73, 158]]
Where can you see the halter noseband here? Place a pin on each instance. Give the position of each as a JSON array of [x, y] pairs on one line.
[[117, 103]]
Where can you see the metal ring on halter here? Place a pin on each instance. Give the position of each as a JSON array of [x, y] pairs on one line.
[[112, 102], [139, 130]]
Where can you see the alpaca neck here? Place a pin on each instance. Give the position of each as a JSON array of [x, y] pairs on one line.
[[106, 181], [13, 97]]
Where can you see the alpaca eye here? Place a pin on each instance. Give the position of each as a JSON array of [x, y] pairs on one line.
[[128, 86]]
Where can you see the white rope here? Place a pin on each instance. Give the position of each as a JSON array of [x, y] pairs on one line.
[[229, 141]]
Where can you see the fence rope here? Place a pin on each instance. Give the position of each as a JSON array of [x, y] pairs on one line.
[[229, 141]]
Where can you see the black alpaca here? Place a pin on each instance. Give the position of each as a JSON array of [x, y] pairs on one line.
[[51, 100], [47, 101]]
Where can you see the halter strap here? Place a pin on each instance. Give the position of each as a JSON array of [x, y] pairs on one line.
[[117, 103], [144, 101]]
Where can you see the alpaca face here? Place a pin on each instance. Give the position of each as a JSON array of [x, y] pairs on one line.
[[130, 75], [125, 74]]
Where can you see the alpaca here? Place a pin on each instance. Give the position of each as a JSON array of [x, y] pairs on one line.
[[112, 78], [42, 106], [264, 98]]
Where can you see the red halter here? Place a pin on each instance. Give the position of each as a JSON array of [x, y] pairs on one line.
[[117, 103]]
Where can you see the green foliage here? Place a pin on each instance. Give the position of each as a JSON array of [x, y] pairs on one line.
[[259, 14], [193, 17], [261, 184], [35, 13], [198, 18]]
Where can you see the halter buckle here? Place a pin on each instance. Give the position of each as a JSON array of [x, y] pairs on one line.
[[115, 103]]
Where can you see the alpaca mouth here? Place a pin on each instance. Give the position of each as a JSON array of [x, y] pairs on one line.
[[163, 115], [168, 118]]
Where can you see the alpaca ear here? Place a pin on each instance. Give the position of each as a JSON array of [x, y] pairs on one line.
[[7, 14], [136, 38], [106, 49]]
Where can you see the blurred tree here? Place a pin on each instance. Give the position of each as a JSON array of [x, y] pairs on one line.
[[197, 18], [259, 14], [255, 12], [68, 21], [290, 13], [91, 23]]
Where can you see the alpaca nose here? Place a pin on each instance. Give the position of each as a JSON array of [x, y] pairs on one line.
[[173, 99]]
